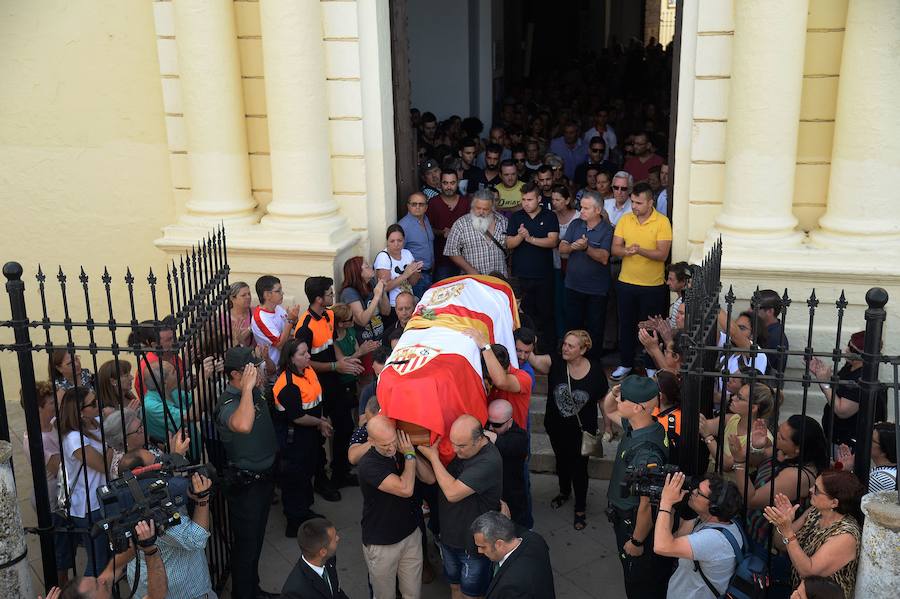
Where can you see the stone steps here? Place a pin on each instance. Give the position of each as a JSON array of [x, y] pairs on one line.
[[542, 458]]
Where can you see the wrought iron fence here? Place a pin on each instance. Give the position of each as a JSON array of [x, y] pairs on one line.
[[725, 344], [170, 353], [728, 350]]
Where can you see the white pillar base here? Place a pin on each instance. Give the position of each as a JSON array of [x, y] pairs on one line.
[[878, 576], [292, 254]]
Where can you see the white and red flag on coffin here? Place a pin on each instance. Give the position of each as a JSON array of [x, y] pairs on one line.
[[434, 374]]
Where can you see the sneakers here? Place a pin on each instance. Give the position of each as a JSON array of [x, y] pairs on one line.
[[620, 373]]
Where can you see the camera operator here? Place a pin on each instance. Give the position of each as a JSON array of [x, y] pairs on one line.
[[631, 406], [717, 501], [248, 435], [181, 547], [101, 587]]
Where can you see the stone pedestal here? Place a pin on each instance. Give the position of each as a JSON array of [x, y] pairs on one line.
[[15, 581], [879, 560]]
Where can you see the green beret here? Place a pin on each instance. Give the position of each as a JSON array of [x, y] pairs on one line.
[[639, 389]]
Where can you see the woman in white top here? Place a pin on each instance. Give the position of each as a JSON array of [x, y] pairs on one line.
[[396, 266], [85, 462]]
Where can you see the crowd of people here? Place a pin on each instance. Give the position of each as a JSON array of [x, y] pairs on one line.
[[573, 212]]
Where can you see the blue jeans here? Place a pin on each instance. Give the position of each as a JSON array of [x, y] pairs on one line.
[[98, 553], [423, 284], [472, 573]]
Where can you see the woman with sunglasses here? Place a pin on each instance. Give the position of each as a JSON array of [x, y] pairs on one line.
[[85, 461], [825, 540], [396, 266], [842, 407]]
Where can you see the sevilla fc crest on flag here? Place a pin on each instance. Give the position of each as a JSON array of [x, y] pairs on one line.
[[410, 358]]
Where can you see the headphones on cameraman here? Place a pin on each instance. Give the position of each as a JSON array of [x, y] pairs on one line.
[[715, 507]]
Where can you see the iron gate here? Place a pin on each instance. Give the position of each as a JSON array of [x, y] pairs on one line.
[[164, 350]]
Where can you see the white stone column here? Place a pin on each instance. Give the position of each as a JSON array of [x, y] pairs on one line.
[[209, 70], [294, 64], [879, 559], [865, 161], [16, 580], [763, 123]]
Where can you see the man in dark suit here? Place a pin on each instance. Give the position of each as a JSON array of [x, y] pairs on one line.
[[521, 563], [315, 575]]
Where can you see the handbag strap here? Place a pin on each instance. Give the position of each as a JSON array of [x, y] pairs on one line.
[[68, 498], [569, 383]]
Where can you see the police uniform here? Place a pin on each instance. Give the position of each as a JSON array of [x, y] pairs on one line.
[[295, 396], [249, 484], [646, 576]]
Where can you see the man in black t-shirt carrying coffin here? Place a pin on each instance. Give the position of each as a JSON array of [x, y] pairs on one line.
[[471, 484], [631, 405], [391, 541], [245, 428]]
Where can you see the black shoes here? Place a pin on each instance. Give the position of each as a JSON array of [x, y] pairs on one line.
[[347, 480], [326, 490]]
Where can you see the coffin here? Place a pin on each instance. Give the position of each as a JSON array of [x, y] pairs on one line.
[[434, 374]]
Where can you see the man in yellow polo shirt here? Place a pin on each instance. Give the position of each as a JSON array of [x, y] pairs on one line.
[[510, 189], [643, 239]]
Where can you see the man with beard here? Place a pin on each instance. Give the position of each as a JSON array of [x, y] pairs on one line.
[[643, 160], [533, 156], [427, 129], [544, 180], [443, 211], [468, 148], [477, 241], [491, 175], [431, 178]]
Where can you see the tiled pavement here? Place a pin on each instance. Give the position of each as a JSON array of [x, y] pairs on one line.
[[584, 562]]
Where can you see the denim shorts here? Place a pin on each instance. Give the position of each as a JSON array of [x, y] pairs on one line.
[[472, 573]]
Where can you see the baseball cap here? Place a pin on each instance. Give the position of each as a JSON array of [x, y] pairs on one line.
[[430, 164], [639, 389], [238, 357]]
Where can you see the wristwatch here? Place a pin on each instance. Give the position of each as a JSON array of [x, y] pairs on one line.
[[409, 456], [486, 347], [635, 542]]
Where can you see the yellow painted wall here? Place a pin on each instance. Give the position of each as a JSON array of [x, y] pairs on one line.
[[712, 64], [342, 71], [83, 158]]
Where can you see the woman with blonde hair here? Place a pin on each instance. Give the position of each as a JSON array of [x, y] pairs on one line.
[[575, 387], [239, 298]]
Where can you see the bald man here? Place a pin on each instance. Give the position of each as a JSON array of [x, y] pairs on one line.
[[511, 441], [470, 485], [391, 540]]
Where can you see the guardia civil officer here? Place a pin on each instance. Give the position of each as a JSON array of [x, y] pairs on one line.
[[644, 442], [245, 428]]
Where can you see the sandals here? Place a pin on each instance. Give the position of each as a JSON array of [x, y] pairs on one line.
[[558, 501], [580, 522]]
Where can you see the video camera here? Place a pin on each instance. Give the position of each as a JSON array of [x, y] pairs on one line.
[[157, 492], [649, 481]]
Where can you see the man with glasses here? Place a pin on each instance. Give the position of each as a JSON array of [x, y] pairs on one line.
[[620, 204], [419, 239], [513, 444], [604, 130], [631, 405], [519, 158], [272, 325], [644, 158], [706, 560], [470, 485], [595, 158]]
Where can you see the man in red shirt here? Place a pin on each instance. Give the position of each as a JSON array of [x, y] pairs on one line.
[[505, 381], [444, 210], [643, 160]]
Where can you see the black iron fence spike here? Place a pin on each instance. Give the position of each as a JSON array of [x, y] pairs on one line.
[[813, 301], [841, 303]]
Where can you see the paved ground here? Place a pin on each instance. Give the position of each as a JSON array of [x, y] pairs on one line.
[[584, 562]]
